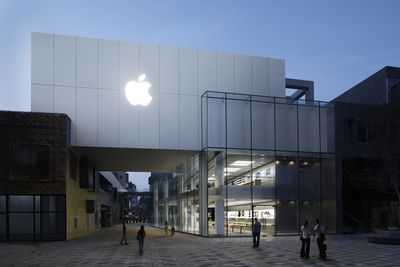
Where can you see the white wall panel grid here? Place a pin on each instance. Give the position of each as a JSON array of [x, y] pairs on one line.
[[169, 70], [108, 118], [277, 76], [149, 64], [260, 75], [65, 102], [128, 63], [87, 68], [225, 73], [108, 64], [189, 131], [86, 117], [169, 121], [207, 71], [128, 123], [188, 72], [85, 78], [65, 60], [243, 75], [42, 53], [150, 124], [42, 98]]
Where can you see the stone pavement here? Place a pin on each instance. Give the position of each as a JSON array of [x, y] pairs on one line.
[[103, 249]]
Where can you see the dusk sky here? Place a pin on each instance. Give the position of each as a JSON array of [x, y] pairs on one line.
[[335, 43]]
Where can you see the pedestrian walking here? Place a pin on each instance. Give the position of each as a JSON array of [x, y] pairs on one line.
[[256, 233], [319, 230], [172, 231], [140, 237], [166, 228], [305, 241], [124, 238]]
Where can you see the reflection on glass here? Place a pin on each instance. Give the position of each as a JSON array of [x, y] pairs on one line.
[[21, 226], [2, 203], [21, 203]]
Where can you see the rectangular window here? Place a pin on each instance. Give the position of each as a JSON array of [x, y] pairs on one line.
[[73, 166], [393, 90], [30, 162], [373, 129], [351, 131], [362, 132], [21, 203]]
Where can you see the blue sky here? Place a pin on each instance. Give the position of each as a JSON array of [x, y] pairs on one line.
[[335, 43]]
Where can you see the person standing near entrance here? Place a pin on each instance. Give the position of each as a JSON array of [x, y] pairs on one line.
[[305, 241], [140, 237], [166, 228], [124, 238], [256, 233], [319, 230]]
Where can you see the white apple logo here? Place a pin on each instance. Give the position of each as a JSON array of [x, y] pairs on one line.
[[137, 92]]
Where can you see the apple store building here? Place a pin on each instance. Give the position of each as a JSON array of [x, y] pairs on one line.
[[227, 137]]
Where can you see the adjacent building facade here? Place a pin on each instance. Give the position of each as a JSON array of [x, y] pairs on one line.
[[367, 122]]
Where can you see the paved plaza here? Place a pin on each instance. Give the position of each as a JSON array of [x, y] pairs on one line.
[[103, 249]]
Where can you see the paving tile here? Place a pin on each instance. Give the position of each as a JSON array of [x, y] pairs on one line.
[[103, 249]]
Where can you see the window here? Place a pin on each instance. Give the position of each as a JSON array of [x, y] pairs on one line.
[[30, 162], [362, 132], [373, 129], [73, 166], [393, 90], [351, 131]]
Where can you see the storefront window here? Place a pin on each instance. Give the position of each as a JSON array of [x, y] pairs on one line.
[[266, 159]]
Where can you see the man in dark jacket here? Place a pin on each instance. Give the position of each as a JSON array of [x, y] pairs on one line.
[[256, 233]]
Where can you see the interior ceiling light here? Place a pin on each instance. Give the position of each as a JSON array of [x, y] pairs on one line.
[[242, 163], [291, 162], [231, 169]]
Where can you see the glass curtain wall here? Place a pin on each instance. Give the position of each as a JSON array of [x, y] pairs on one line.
[[267, 158], [32, 217], [176, 197]]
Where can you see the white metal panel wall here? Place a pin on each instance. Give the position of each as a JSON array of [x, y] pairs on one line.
[[86, 62], [108, 64], [225, 73], [86, 120], [65, 102], [85, 78], [108, 118], [65, 61], [169, 121], [42, 70]]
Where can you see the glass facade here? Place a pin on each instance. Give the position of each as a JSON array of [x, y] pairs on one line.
[[176, 197], [32, 217], [267, 158], [262, 157]]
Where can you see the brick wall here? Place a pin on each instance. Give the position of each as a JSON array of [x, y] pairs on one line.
[[38, 129]]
